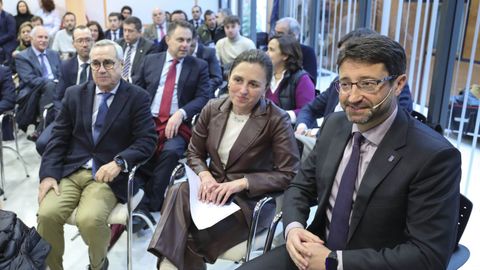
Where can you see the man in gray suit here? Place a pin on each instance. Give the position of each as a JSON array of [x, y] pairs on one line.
[[158, 29], [386, 185], [135, 47], [39, 70]]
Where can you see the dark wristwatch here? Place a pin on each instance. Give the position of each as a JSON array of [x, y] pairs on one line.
[[120, 162], [331, 262]]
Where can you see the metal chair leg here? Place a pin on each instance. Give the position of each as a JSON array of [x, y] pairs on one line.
[[2, 172], [17, 151]]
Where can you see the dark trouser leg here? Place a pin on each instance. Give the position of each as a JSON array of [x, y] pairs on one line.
[[277, 259], [48, 91]]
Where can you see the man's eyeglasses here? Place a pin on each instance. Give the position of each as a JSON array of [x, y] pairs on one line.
[[368, 85], [107, 64]]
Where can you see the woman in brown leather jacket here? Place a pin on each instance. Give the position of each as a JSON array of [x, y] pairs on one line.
[[252, 152]]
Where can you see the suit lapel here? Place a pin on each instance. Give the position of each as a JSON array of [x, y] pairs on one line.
[[186, 69], [255, 124], [155, 75], [119, 100], [88, 94], [138, 53], [34, 59], [219, 121], [383, 161]]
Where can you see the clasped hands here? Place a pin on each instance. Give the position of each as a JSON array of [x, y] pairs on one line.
[[306, 249], [218, 193], [105, 174]]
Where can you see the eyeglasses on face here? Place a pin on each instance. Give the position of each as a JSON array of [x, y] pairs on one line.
[[107, 64], [368, 85]]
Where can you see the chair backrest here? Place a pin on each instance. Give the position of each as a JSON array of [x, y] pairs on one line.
[[464, 215]]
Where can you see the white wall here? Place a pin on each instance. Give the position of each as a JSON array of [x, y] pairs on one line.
[[141, 8]]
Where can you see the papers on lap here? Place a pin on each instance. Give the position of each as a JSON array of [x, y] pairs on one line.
[[205, 215]]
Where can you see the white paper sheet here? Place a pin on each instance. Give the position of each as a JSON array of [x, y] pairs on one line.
[[205, 215]]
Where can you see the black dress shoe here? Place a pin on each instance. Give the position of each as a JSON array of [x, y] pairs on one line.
[[139, 223]]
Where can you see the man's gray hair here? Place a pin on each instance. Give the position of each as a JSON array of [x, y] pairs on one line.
[[35, 29], [107, 42], [293, 25]]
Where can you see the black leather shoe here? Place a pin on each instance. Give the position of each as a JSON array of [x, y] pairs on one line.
[[138, 223]]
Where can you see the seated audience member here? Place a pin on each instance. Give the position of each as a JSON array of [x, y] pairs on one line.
[[23, 14], [229, 47], [158, 29], [63, 42], [179, 88], [7, 90], [291, 86], [178, 15], [220, 17], [36, 21], [252, 152], [198, 50], [24, 38], [50, 17], [97, 31], [115, 30], [135, 47], [39, 71], [196, 20], [126, 12], [209, 31], [327, 102], [290, 26], [104, 128], [386, 185], [75, 70], [8, 36]]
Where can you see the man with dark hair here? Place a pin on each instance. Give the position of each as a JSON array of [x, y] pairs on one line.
[[8, 36], [126, 12], [115, 30], [178, 15], [103, 129], [62, 43], [196, 20], [179, 88], [209, 32], [233, 44], [290, 26], [134, 46], [386, 185]]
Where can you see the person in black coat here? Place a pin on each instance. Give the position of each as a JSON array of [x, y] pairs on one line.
[[23, 14]]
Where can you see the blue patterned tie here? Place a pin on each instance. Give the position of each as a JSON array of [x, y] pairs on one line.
[[44, 65], [339, 225], [97, 128]]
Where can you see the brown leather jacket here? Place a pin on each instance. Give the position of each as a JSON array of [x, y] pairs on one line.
[[265, 152]]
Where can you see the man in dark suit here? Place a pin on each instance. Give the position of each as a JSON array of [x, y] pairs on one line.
[[8, 36], [290, 26], [115, 31], [134, 46], [104, 128], [198, 50], [39, 72], [179, 88], [196, 20], [386, 185], [7, 90], [156, 31]]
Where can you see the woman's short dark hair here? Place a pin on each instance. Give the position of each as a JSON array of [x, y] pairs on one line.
[[254, 56], [126, 8], [290, 47], [101, 34], [48, 5], [28, 9], [375, 49]]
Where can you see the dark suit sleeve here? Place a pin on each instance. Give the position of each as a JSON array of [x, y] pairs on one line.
[[316, 108], [26, 72], [7, 98], [431, 216], [202, 91], [310, 62], [60, 90], [405, 99], [144, 139], [285, 160], [214, 70], [9, 35]]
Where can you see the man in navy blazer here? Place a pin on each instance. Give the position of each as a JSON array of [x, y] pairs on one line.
[[103, 129], [7, 90], [386, 185], [191, 92], [8, 36], [115, 31], [39, 71], [199, 50]]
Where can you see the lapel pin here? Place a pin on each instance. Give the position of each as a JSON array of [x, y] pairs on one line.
[[391, 158]]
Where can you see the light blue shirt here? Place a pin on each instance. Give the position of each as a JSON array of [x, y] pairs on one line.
[[45, 60]]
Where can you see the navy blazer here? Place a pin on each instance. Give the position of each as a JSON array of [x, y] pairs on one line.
[[30, 71], [208, 54], [108, 34], [406, 209], [193, 90], [325, 103], [144, 47], [7, 90], [69, 70], [129, 131], [8, 36], [310, 62]]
